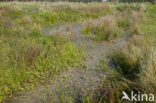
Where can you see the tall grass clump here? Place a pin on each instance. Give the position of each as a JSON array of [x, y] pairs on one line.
[[127, 61], [95, 10], [130, 18], [119, 23], [135, 65], [134, 70], [148, 65], [102, 29], [129, 24], [129, 58]]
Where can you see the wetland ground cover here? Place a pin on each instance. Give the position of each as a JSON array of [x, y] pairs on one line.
[[76, 52]]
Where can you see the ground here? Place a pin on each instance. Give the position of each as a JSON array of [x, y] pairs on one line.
[[75, 53]]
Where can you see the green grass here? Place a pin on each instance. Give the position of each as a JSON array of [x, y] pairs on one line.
[[148, 26], [135, 66], [105, 29], [28, 62], [124, 20], [135, 70], [28, 58]]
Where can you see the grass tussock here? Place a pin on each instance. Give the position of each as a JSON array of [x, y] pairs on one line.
[[132, 58], [135, 71], [117, 24], [102, 29]]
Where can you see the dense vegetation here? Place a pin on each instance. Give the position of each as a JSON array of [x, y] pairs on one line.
[[29, 58], [135, 66], [86, 1]]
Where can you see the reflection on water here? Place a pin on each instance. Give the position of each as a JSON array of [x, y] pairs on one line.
[[75, 29]]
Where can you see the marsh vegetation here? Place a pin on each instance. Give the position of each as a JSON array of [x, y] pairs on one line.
[[76, 52]]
